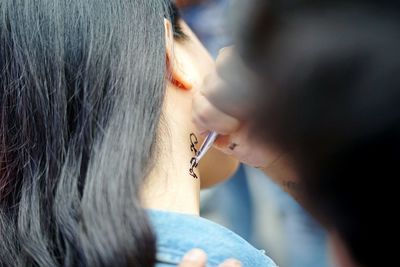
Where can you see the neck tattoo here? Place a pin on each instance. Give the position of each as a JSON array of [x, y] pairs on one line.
[[193, 162]]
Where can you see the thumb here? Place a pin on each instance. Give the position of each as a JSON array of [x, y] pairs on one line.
[[194, 258]]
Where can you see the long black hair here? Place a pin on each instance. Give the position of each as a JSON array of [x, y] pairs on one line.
[[81, 89]]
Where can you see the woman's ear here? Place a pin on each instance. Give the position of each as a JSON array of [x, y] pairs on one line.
[[176, 60]]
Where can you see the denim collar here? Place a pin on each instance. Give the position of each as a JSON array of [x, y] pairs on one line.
[[178, 233]]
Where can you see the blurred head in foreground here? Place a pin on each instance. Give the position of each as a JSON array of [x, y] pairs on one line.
[[330, 99]]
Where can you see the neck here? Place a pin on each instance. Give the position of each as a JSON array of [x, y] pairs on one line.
[[170, 186]]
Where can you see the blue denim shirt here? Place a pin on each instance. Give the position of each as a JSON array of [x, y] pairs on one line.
[[178, 233]]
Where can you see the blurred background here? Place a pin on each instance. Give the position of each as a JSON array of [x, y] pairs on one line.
[[251, 204]]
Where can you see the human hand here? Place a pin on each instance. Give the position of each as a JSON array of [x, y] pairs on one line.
[[198, 258], [222, 104], [225, 104]]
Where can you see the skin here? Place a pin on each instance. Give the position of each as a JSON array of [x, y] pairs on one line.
[[212, 113], [197, 258], [169, 186]]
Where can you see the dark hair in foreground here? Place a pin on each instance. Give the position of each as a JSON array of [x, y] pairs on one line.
[[81, 88], [331, 99]]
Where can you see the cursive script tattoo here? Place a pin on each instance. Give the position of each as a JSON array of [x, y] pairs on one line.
[[193, 165], [193, 142], [193, 162]]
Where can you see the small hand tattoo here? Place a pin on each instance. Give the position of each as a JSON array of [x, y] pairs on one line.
[[233, 146], [193, 162]]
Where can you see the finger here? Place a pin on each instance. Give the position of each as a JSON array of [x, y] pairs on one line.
[[213, 85], [231, 263], [243, 147], [227, 88], [207, 117], [194, 258]]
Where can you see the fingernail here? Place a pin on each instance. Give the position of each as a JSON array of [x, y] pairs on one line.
[[231, 263], [195, 255], [223, 49]]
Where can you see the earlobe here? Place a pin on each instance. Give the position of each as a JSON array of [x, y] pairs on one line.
[[175, 75]]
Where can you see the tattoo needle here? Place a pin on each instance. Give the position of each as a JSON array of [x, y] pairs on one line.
[[207, 144]]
